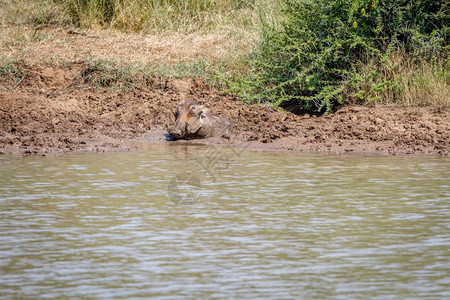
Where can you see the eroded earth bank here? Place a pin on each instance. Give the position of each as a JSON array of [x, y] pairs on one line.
[[46, 114]]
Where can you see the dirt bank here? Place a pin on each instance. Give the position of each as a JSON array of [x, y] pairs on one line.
[[46, 115]]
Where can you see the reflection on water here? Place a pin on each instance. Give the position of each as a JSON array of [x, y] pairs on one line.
[[247, 225]]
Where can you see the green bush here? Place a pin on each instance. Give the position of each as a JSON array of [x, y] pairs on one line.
[[313, 57]]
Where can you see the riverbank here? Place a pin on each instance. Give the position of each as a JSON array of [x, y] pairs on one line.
[[45, 115]]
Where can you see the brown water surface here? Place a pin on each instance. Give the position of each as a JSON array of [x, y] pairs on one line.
[[203, 222]]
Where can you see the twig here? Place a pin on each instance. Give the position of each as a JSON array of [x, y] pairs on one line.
[[74, 32]]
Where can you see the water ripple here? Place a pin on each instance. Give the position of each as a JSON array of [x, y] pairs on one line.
[[268, 225]]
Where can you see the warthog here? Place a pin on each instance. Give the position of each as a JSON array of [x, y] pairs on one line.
[[194, 121]]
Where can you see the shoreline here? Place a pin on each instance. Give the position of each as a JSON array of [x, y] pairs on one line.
[[45, 116]]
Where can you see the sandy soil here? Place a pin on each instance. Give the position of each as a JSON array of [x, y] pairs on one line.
[[45, 116]]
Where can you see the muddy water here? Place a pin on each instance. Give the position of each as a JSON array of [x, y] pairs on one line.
[[200, 222]]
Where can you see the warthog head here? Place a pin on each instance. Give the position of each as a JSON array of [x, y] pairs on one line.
[[193, 120]]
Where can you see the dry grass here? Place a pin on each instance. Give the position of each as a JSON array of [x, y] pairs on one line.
[[151, 16], [408, 82], [205, 33], [53, 45], [143, 16], [424, 84], [33, 13]]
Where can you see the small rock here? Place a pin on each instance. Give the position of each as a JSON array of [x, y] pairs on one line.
[[355, 109], [48, 72], [431, 126], [378, 121]]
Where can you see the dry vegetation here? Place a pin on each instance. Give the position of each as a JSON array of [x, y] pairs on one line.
[[412, 84], [168, 38]]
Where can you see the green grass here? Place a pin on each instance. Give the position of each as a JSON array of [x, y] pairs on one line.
[[12, 73]]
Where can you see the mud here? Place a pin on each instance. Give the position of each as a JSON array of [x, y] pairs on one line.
[[45, 115]]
